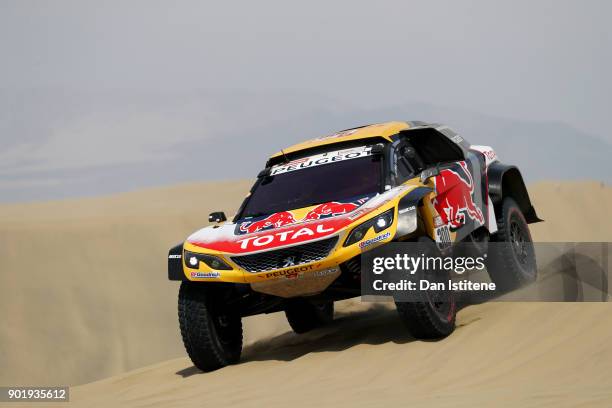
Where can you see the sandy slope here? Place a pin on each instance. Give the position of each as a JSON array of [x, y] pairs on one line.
[[83, 287], [84, 296], [501, 355]]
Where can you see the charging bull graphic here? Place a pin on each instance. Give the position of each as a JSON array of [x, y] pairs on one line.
[[283, 218], [272, 221], [329, 210], [455, 197]]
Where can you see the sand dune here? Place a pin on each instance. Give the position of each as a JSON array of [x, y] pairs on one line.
[[502, 354], [83, 286], [573, 211], [84, 295]]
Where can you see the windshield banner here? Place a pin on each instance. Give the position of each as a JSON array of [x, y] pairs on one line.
[[321, 159]]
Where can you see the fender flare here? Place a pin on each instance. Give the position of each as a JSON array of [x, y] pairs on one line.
[[505, 180], [175, 263]]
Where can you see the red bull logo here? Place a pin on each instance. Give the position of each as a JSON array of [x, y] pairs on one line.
[[272, 221], [329, 210], [283, 218], [455, 197]]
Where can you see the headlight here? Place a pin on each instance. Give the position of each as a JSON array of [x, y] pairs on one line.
[[192, 260], [379, 223]]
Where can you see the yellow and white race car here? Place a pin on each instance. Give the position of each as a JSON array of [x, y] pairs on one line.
[[296, 241]]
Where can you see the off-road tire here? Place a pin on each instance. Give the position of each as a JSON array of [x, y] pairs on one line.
[[432, 315], [513, 264], [429, 314], [212, 337], [304, 316]]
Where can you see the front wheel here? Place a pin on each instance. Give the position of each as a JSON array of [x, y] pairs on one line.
[[511, 259], [212, 336], [432, 314], [304, 316]]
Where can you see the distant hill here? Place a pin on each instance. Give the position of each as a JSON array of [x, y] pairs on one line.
[[57, 144]]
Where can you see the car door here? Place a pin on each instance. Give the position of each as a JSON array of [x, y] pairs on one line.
[[454, 198]]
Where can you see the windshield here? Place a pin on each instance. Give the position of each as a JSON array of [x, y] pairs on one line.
[[303, 187]]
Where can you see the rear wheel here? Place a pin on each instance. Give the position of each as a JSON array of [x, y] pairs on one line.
[[511, 259], [212, 336], [304, 316]]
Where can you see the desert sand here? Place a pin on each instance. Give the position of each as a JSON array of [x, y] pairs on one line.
[[84, 296]]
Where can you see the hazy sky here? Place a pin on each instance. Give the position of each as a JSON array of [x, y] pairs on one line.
[[523, 59], [103, 96]]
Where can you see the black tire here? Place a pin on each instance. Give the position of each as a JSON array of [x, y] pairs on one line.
[[212, 337], [511, 259], [433, 313], [304, 316]]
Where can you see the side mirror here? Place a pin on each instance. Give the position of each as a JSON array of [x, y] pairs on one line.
[[218, 216], [428, 173]]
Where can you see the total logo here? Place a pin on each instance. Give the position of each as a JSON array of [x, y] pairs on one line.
[[284, 236]]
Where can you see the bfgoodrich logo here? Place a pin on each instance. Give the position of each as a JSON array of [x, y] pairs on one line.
[[205, 274], [374, 240]]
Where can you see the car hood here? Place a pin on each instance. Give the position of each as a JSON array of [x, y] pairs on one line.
[[288, 228]]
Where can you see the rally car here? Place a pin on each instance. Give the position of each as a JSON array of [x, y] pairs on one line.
[[295, 243]]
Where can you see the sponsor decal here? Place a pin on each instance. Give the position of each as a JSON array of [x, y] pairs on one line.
[[229, 239], [290, 272], [457, 139], [321, 211], [235, 244], [443, 238], [284, 236], [174, 256], [324, 272], [372, 241], [455, 197], [438, 221], [332, 209], [205, 275], [313, 275], [275, 220], [321, 159], [488, 153], [299, 272], [357, 214], [404, 210]]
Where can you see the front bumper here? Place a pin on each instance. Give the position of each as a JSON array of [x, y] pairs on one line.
[[302, 260]]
